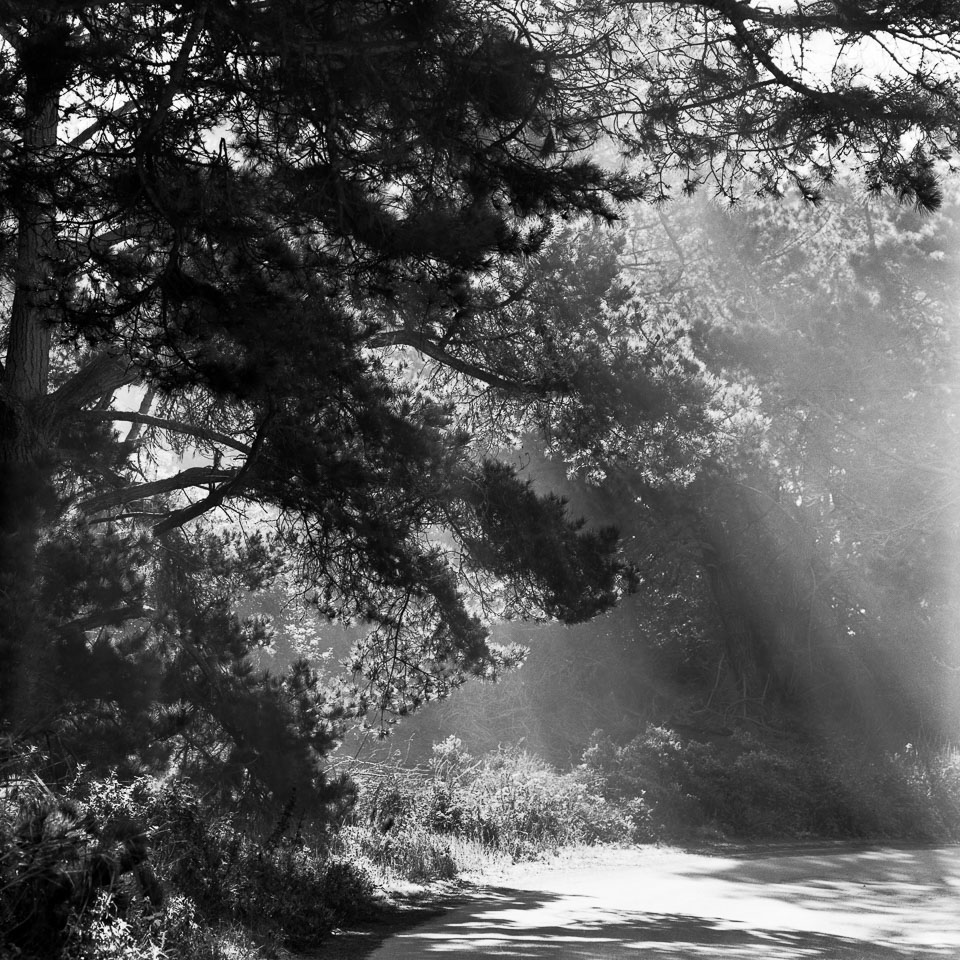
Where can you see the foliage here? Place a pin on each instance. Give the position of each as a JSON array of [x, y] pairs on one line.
[[238, 228], [413, 852], [717, 89], [222, 877], [280, 882], [279, 279], [843, 319], [177, 688], [230, 883], [175, 931], [258, 225], [509, 803], [277, 282], [801, 522], [746, 786], [59, 861]]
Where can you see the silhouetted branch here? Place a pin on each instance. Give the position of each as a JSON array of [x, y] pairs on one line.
[[174, 426], [192, 477]]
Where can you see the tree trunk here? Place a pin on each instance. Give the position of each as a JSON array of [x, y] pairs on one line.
[[26, 424]]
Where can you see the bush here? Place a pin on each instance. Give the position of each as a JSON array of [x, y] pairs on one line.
[[410, 851], [220, 874], [277, 886], [57, 860], [523, 806], [509, 803], [749, 788], [173, 932]]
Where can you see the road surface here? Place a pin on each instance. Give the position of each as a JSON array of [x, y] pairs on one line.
[[829, 903]]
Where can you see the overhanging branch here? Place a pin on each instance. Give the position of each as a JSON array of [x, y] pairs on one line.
[[173, 426], [426, 346], [215, 497], [107, 618], [101, 124], [192, 477]]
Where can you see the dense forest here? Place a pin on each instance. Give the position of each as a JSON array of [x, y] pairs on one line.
[[408, 404]]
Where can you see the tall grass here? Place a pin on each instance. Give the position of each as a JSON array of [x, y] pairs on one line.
[[462, 814]]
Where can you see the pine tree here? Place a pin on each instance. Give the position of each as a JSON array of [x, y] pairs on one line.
[[233, 234], [213, 211]]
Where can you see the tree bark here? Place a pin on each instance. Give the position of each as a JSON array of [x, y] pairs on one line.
[[26, 425]]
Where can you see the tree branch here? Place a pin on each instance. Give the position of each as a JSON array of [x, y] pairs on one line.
[[137, 428], [737, 13], [424, 345], [104, 373], [90, 132], [797, 20], [677, 249], [192, 477], [174, 426], [210, 502], [74, 455], [215, 497], [107, 618], [177, 71]]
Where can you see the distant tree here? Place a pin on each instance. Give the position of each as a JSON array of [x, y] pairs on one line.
[[847, 324], [827, 547], [802, 359]]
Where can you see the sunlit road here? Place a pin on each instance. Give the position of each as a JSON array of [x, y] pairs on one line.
[[831, 902]]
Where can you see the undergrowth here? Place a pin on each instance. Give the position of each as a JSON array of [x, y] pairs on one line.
[[746, 787], [149, 868], [465, 815]]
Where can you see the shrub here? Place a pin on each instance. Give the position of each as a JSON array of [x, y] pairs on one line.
[[508, 803], [219, 873], [523, 806], [57, 860], [750, 788], [410, 851]]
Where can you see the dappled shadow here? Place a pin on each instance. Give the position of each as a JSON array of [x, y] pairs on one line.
[[882, 881], [934, 863], [827, 903], [510, 923]]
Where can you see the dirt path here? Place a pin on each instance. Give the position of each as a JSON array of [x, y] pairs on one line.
[[825, 903]]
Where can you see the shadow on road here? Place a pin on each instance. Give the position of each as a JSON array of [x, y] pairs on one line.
[[816, 903], [510, 923], [908, 863]]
